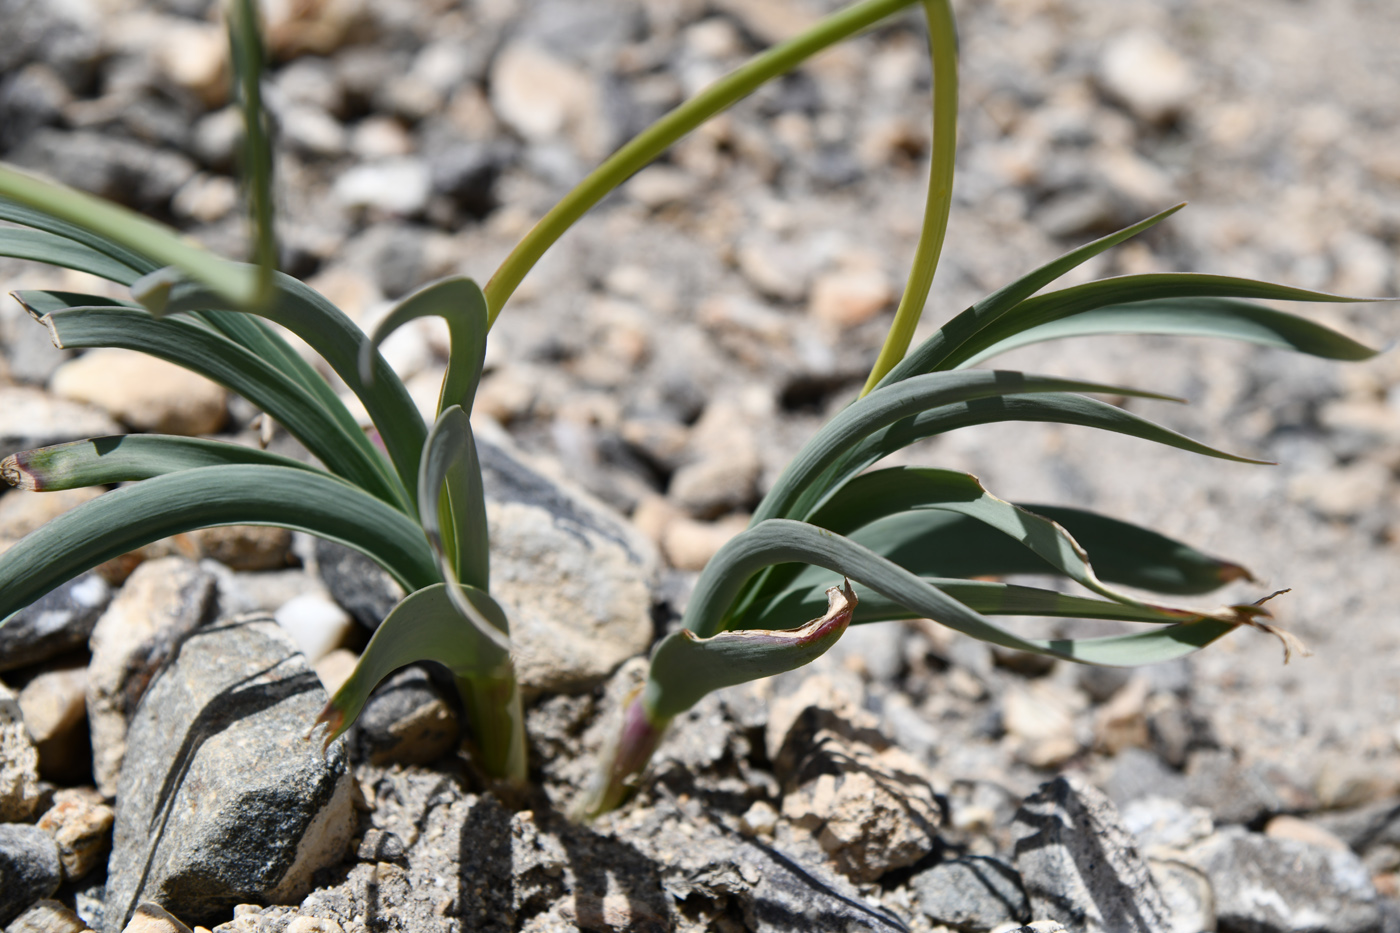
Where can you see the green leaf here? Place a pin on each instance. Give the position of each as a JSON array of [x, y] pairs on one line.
[[247, 55], [39, 246], [931, 354], [240, 494], [195, 346], [458, 301], [893, 403], [29, 217], [39, 302], [685, 667], [131, 231], [782, 541], [424, 626], [450, 465], [1160, 286], [306, 313], [1190, 317], [125, 458]]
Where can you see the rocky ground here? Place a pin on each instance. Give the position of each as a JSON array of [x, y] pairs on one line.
[[647, 383]]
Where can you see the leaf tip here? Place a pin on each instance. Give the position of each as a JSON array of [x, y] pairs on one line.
[[1228, 572], [17, 476]]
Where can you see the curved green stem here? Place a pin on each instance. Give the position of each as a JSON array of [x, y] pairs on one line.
[[943, 46], [662, 134]]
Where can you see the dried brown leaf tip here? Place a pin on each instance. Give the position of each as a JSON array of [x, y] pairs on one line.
[[14, 475], [1290, 642]]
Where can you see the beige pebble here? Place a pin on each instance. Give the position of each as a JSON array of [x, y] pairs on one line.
[[689, 544], [82, 827], [146, 393], [150, 918], [850, 297], [47, 917], [1291, 827]]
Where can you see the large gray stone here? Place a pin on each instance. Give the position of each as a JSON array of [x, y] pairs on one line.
[[224, 799], [1080, 866], [29, 868], [54, 623], [972, 894], [1268, 885], [163, 600]]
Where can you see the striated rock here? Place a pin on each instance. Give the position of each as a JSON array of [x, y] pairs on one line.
[[29, 868], [1079, 864], [574, 577], [971, 894], [19, 762], [81, 826], [247, 807], [47, 917], [54, 623], [1276, 885], [869, 805], [32, 418], [162, 602], [147, 393]]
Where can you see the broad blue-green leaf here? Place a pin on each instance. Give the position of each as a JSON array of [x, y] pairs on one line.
[[136, 515], [131, 231], [29, 217], [126, 458], [455, 523], [39, 246], [306, 313], [458, 301], [424, 626], [1190, 317], [1127, 289], [196, 346], [930, 354], [888, 406], [781, 541]]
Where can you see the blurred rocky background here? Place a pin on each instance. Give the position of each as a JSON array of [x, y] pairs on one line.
[[670, 355]]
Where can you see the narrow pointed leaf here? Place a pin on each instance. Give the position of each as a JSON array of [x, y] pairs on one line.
[[306, 313], [930, 355], [459, 302], [59, 251], [39, 302], [126, 458], [781, 541], [424, 626], [136, 515], [1191, 317], [685, 667], [163, 245], [195, 346], [29, 217], [1125, 289], [450, 466], [893, 403], [248, 57]]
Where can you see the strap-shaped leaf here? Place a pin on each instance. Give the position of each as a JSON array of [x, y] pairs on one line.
[[890, 405], [29, 217], [195, 346], [129, 230], [685, 667], [1123, 289], [39, 302], [455, 523], [241, 494], [126, 458], [39, 246], [248, 56], [424, 626], [808, 593], [458, 301], [930, 354], [306, 313], [781, 541], [1191, 317]]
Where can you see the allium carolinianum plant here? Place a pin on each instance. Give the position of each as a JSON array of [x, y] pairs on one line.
[[907, 542]]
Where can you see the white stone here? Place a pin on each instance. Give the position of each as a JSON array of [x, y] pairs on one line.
[[1147, 75], [394, 186], [316, 624]]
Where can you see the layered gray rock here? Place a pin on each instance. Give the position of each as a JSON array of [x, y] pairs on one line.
[[1080, 866], [224, 799], [29, 868], [1268, 885]]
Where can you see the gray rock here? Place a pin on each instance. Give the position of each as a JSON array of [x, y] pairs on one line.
[[1138, 773], [122, 170], [1269, 885], [1234, 793], [1079, 864], [1376, 824], [54, 623], [30, 418], [223, 799], [162, 601], [573, 576], [409, 719], [1187, 892], [467, 173], [972, 894], [360, 585], [1161, 822], [29, 868]]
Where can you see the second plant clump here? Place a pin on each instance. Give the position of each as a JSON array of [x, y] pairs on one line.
[[898, 543]]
